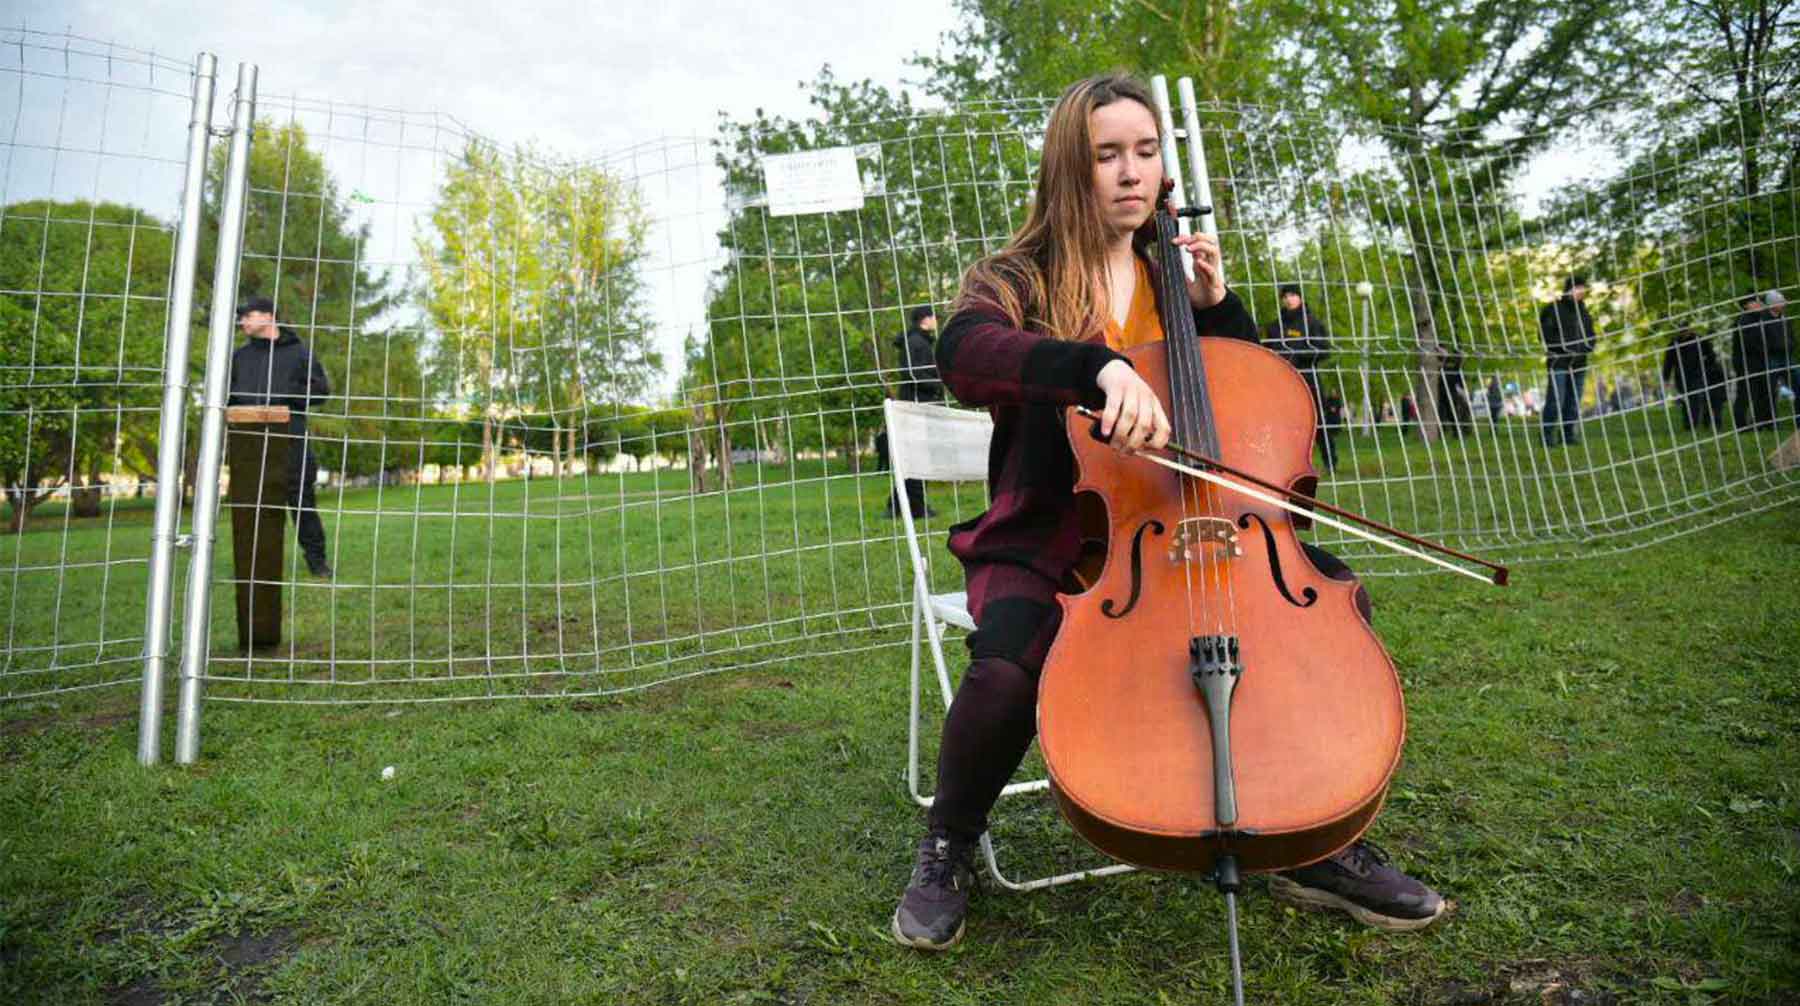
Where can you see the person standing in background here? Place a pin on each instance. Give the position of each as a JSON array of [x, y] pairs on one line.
[[918, 362], [1759, 355], [273, 367], [1692, 368], [1302, 340], [1568, 333]]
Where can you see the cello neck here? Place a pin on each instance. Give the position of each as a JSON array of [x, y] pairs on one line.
[[1190, 404]]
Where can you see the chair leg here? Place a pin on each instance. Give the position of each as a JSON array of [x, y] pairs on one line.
[[912, 719], [933, 638], [1022, 886]]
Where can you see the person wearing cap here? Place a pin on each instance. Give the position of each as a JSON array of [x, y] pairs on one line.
[[918, 362], [1759, 352], [273, 367], [1568, 333], [1302, 340]]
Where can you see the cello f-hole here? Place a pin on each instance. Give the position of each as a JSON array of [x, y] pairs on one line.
[[1137, 571], [1310, 594]]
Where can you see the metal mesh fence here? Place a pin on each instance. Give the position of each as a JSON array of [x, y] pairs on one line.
[[600, 424], [91, 154]]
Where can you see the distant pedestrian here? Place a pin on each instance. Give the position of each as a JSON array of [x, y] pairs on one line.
[[918, 362], [1453, 397], [1302, 339], [273, 367], [1496, 402], [1569, 337], [1759, 354], [1692, 368]]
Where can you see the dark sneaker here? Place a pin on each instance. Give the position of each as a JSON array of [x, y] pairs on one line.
[[1361, 881], [320, 568], [931, 912]]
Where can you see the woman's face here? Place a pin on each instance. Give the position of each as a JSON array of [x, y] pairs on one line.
[[1127, 158]]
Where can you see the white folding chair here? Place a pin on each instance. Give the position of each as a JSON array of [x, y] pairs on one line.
[[939, 444]]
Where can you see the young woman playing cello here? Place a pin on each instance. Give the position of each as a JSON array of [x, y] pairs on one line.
[[1038, 327]]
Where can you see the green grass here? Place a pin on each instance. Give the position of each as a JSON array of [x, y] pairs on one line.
[[1601, 771], [590, 584]]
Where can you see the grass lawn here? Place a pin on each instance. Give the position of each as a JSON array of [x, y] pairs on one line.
[[1602, 771]]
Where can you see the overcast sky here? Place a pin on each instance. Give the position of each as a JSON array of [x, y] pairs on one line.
[[583, 78], [580, 80]]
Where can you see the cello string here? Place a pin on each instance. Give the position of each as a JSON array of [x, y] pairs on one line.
[[1180, 405], [1197, 406]]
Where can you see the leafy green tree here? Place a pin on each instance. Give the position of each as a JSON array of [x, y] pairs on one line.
[[801, 319], [82, 310], [1235, 51], [1705, 205], [533, 282], [305, 248]]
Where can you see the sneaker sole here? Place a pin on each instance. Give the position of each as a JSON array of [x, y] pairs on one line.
[[1289, 892], [924, 944]]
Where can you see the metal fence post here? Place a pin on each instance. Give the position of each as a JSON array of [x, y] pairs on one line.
[[196, 632], [172, 431]]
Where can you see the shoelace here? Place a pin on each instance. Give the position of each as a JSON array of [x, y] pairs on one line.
[[937, 865], [1362, 856]]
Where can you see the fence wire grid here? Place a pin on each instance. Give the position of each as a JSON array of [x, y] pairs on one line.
[[601, 424]]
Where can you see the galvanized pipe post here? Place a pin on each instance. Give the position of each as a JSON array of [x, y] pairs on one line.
[[172, 431], [196, 632]]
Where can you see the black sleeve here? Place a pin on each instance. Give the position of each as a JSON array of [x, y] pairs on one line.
[[1320, 341], [319, 382], [984, 360], [1228, 319]]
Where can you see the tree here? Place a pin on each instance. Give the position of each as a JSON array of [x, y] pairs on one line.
[[532, 280], [802, 316], [82, 310], [1461, 93], [1709, 160], [1236, 51], [304, 247]]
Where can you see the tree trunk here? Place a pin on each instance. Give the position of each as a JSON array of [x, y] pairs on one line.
[[696, 448], [724, 456], [487, 447], [1431, 361], [84, 500], [22, 500]]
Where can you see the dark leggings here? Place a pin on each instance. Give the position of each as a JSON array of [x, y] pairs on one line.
[[994, 715]]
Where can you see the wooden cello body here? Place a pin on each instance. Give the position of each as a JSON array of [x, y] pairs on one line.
[[1213, 694]]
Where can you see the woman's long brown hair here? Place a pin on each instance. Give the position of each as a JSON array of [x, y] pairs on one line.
[[1044, 279]]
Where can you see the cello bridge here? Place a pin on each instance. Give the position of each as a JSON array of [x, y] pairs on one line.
[[1194, 532]]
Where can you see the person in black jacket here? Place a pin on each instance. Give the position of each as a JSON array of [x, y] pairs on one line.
[[273, 367], [918, 359], [1759, 354], [1691, 366], [1453, 397], [1301, 339], [1568, 333]]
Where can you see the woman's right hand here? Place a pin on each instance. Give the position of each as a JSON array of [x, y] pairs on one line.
[[1133, 417]]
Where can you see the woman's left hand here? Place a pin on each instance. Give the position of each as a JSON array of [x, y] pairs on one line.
[[1208, 285]]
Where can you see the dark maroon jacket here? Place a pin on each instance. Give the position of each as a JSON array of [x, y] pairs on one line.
[[1026, 380]]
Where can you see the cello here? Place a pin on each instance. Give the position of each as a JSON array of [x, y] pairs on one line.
[[1213, 703]]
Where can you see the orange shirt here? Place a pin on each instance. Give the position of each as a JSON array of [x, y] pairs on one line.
[[1142, 322]]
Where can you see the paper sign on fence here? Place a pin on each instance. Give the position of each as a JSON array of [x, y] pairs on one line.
[[813, 181]]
